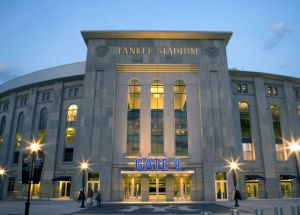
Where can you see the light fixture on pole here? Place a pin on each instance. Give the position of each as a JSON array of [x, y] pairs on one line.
[[84, 165], [34, 147], [234, 166], [2, 173], [295, 148]]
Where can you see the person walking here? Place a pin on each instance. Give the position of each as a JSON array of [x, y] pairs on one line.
[[98, 199], [89, 200]]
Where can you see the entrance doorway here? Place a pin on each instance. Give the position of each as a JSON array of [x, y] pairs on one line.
[[221, 186], [252, 190], [182, 187], [157, 188], [286, 188], [64, 189], [132, 187]]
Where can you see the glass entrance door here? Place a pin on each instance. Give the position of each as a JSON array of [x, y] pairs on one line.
[[286, 188], [221, 186], [252, 190], [182, 187], [132, 188], [64, 189], [157, 188]]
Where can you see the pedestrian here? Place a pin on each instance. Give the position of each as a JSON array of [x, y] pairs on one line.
[[81, 196], [98, 199], [89, 200]]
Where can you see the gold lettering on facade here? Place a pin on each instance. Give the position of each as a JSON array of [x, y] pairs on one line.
[[157, 51]]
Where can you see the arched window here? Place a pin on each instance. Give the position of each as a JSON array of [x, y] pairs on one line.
[[280, 149], [70, 125], [72, 113], [157, 116], [133, 117], [248, 146], [2, 128], [42, 130], [181, 132], [20, 124]]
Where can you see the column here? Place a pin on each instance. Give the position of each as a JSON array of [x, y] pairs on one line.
[[170, 188], [157, 188], [145, 188], [132, 188], [169, 121]]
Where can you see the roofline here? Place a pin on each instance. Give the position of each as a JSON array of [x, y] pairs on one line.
[[263, 74], [187, 35]]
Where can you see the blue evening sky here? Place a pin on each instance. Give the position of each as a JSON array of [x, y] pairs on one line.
[[38, 34]]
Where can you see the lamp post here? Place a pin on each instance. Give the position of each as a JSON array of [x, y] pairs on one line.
[[83, 166], [295, 148], [34, 147], [2, 173], [234, 166]]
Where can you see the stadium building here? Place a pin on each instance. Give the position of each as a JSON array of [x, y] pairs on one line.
[[156, 114]]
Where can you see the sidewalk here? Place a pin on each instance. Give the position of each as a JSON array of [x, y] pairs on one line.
[[267, 205]]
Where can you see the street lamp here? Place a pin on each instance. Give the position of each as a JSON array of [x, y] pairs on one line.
[[34, 147], [2, 173], [84, 165], [295, 148], [234, 166]]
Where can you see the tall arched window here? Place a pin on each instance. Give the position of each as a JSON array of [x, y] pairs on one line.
[[280, 149], [157, 117], [248, 146], [20, 124], [133, 117], [70, 125], [2, 128], [181, 132], [42, 130]]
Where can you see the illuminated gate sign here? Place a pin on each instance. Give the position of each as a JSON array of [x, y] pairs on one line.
[[157, 164]]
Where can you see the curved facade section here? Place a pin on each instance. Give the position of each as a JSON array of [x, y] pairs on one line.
[[156, 114]]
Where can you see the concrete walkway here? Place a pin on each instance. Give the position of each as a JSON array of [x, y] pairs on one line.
[[56, 207]]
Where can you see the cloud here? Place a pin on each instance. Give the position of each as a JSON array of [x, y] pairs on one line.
[[8, 72], [279, 32]]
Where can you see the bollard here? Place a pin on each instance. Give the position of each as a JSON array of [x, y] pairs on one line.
[[258, 211], [205, 213], [234, 211], [278, 211], [295, 210]]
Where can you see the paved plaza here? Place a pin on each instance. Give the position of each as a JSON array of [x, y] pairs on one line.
[[71, 207]]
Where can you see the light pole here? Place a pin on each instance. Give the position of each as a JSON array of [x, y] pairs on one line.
[[295, 148], [234, 166], [84, 165], [34, 147], [2, 173]]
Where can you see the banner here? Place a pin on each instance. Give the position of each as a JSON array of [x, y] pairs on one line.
[[38, 167]]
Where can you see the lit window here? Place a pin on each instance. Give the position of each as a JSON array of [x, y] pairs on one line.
[[269, 90], [133, 117], [244, 88], [2, 128], [70, 134], [238, 88], [298, 110], [272, 91], [181, 134], [43, 125], [72, 113], [157, 106], [19, 136], [247, 145], [280, 149]]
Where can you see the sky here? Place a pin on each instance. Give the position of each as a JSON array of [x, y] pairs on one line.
[[38, 34]]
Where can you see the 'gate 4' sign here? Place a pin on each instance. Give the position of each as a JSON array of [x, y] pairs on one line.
[[154, 164]]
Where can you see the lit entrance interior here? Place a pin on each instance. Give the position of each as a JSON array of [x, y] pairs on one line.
[[252, 189], [64, 189], [221, 186], [157, 186], [286, 188]]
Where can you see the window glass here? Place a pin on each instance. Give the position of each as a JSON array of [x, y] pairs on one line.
[[247, 145], [298, 110], [68, 155], [70, 134], [181, 132], [19, 136], [157, 105], [43, 119], [72, 113], [2, 128], [280, 149]]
